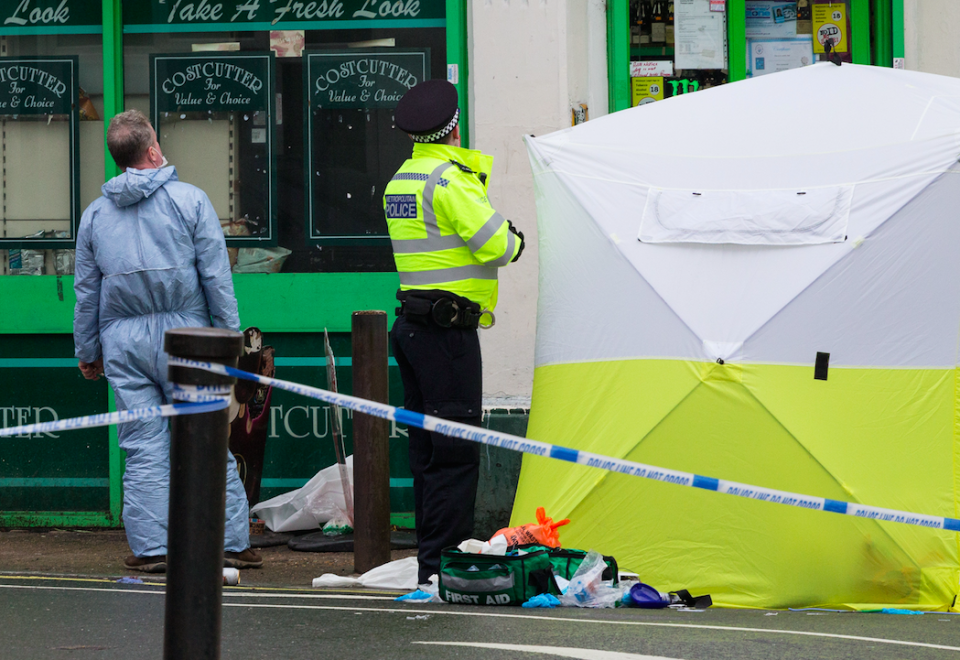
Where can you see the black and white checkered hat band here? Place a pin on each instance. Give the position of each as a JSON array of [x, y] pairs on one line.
[[436, 135]]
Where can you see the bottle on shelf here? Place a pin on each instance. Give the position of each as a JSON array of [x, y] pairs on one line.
[[670, 24], [658, 23], [634, 28], [804, 17], [643, 21]]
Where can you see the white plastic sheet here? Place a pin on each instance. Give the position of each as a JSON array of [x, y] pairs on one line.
[[308, 507], [889, 153], [400, 574]]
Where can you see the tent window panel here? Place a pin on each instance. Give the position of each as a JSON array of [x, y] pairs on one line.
[[747, 217]]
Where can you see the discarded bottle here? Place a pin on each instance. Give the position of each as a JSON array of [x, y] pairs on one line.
[[231, 577]]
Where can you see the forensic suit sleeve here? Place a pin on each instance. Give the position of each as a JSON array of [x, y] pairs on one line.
[[486, 232], [86, 287], [213, 267]]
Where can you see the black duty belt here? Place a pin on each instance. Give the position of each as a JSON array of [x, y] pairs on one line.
[[445, 311]]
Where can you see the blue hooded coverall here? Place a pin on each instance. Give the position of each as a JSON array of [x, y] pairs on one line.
[[151, 256]]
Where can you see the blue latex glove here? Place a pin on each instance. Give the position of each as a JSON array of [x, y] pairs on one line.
[[542, 600]]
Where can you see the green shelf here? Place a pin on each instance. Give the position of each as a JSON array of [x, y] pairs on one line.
[[651, 51]]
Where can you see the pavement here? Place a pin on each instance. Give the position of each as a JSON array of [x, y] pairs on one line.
[[100, 553], [82, 612]]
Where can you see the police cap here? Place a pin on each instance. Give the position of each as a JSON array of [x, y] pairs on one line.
[[428, 111]]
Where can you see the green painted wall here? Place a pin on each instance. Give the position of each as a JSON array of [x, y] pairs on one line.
[[281, 302]]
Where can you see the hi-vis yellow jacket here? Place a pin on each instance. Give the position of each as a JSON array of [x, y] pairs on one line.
[[444, 232]]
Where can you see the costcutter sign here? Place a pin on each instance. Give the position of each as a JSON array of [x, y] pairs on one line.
[[37, 86], [375, 78], [216, 82]]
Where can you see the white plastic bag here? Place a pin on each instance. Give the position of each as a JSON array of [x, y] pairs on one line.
[[309, 507], [495, 546], [400, 575], [334, 580], [586, 589]]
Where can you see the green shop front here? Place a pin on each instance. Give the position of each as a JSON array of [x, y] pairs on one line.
[[282, 112], [657, 49]]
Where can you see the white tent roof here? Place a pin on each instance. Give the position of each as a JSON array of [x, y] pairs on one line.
[[709, 213]]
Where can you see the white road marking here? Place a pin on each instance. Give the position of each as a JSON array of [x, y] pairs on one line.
[[561, 651], [441, 610], [226, 594]]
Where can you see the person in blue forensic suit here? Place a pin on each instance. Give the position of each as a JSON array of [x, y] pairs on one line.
[[151, 256]]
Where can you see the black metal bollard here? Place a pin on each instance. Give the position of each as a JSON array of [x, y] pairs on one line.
[[198, 474], [371, 444]]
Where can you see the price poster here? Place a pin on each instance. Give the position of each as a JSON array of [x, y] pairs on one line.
[[830, 22], [647, 90]]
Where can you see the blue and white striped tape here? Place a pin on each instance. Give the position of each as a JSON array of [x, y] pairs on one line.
[[199, 398], [208, 399], [516, 443]]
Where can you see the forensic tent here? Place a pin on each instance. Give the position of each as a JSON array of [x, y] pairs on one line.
[[758, 282]]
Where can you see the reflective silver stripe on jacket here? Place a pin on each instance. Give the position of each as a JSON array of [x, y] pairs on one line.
[[434, 242], [412, 245], [508, 255], [441, 275], [429, 216], [486, 232]]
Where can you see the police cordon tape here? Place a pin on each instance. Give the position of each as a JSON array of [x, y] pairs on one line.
[[211, 398], [199, 398], [537, 448]]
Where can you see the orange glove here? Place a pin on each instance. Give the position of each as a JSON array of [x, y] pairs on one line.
[[544, 531]]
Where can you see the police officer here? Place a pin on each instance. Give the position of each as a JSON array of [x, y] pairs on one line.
[[448, 244]]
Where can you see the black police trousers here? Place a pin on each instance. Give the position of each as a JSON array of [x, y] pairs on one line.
[[442, 376]]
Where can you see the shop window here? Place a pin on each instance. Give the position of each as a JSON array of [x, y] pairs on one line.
[[789, 35], [214, 115], [340, 145], [298, 184], [353, 146], [676, 47], [681, 46], [51, 140]]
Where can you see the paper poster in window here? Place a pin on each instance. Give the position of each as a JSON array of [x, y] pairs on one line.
[[830, 22], [701, 36], [773, 55], [647, 90], [771, 19]]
